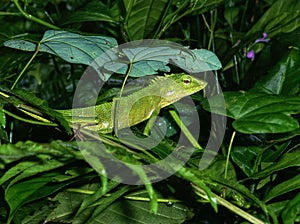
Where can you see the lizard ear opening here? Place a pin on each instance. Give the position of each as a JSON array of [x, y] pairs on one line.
[[170, 92]]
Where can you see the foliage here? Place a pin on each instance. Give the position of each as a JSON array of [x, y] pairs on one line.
[[250, 47]]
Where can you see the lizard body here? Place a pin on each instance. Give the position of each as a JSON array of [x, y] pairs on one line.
[[136, 107]]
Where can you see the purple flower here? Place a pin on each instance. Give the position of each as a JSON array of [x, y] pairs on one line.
[[250, 55], [263, 39]]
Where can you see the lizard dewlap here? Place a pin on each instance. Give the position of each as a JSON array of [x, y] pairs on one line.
[[136, 107]]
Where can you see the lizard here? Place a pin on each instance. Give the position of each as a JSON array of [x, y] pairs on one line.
[[127, 111]]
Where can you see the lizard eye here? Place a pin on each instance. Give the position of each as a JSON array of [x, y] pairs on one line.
[[186, 81]]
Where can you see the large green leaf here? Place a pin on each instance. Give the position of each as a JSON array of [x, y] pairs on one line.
[[198, 7], [17, 170], [245, 158], [291, 210], [93, 11], [290, 159], [282, 16], [284, 77], [30, 190], [68, 203], [284, 187], [71, 47], [273, 153], [258, 112], [137, 212], [94, 199], [34, 212], [10, 153], [22, 150], [28, 169], [149, 60], [143, 17]]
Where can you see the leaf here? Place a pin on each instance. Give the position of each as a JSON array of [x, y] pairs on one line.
[[10, 153], [75, 48], [288, 41], [277, 207], [137, 212], [68, 203], [290, 159], [23, 45], [282, 16], [2, 116], [283, 78], [34, 158], [186, 8], [188, 174], [16, 170], [284, 187], [263, 123], [154, 56], [34, 212], [28, 169], [30, 98], [204, 60], [94, 199], [71, 47], [291, 211], [231, 14], [139, 69], [272, 154], [257, 112], [93, 11], [105, 202], [201, 6], [96, 164], [245, 158], [30, 190], [143, 17]]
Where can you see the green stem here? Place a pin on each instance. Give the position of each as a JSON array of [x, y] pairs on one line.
[[185, 130], [10, 14], [125, 80], [35, 19], [228, 154], [29, 121], [129, 197], [116, 109], [26, 66]]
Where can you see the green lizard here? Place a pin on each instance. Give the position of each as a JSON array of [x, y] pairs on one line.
[[137, 107]]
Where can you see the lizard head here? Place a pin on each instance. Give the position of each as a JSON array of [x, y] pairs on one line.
[[179, 85]]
